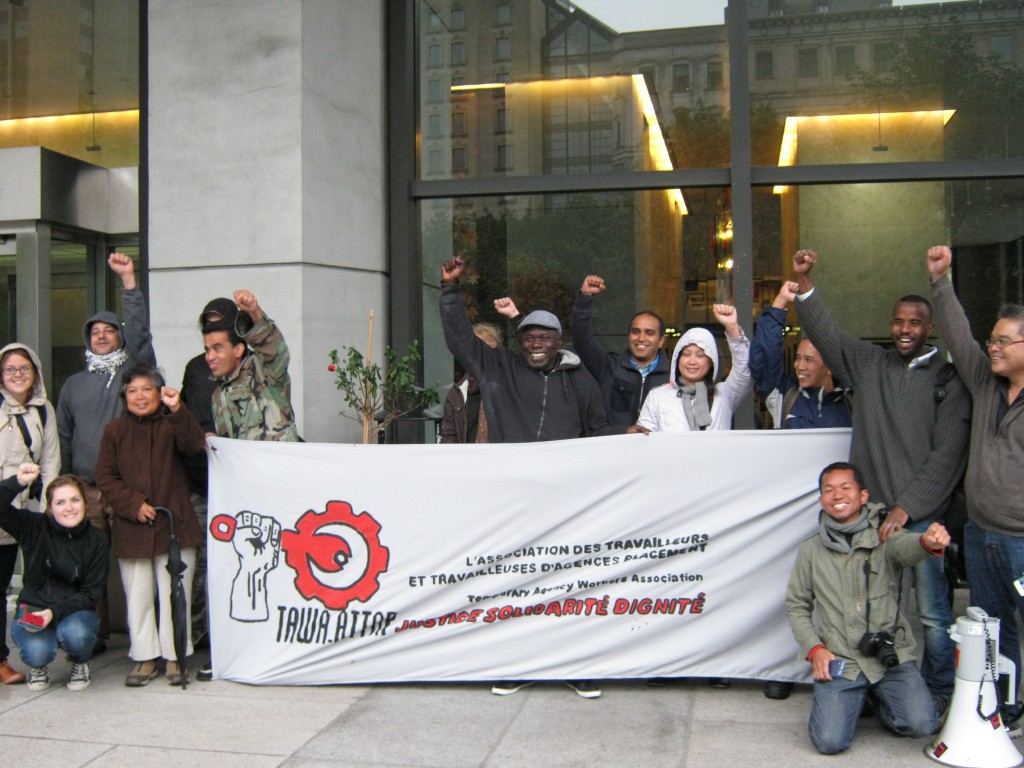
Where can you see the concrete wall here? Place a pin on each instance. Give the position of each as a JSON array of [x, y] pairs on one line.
[[266, 142]]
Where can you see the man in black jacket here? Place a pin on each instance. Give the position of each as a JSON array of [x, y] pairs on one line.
[[542, 394], [625, 378]]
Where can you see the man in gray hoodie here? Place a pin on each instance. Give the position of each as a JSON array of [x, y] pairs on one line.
[[91, 398]]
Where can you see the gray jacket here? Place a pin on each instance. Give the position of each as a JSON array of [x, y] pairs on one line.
[[995, 469], [89, 400]]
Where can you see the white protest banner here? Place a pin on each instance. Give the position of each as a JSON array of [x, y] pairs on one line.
[[634, 556]]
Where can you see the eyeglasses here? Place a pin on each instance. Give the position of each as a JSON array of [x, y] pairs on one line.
[[24, 370], [1002, 342]]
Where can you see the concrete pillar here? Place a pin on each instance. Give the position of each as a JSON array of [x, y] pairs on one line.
[[267, 172]]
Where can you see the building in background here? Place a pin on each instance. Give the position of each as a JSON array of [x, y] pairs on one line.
[[329, 155]]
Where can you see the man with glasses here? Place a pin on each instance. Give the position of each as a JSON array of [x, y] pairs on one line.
[[542, 394], [994, 534], [911, 422]]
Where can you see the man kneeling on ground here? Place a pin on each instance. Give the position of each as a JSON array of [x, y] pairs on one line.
[[859, 648]]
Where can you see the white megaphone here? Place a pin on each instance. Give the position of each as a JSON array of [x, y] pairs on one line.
[[974, 735]]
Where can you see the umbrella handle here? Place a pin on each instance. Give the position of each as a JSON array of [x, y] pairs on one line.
[[170, 517]]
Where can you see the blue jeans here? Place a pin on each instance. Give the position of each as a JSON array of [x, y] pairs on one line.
[[901, 699], [994, 561], [938, 664], [76, 634]]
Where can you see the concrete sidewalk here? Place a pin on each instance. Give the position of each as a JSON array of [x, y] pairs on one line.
[[685, 723]]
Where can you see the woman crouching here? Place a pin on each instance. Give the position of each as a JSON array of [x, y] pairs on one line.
[[141, 466], [65, 569]]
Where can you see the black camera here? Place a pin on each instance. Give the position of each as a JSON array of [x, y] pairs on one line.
[[879, 644]]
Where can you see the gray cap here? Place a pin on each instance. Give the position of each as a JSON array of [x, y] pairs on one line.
[[541, 319]]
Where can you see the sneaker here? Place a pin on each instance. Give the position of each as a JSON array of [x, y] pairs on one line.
[[79, 679], [38, 679], [206, 673], [8, 674], [505, 687], [585, 688], [776, 689]]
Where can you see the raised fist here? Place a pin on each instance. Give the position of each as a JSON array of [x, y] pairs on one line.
[[257, 542]]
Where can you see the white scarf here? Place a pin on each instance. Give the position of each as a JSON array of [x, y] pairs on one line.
[[108, 363]]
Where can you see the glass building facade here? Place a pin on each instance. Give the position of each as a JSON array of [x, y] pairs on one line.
[[541, 140], [686, 164]]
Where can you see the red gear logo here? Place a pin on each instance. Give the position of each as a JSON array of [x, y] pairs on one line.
[[307, 546]]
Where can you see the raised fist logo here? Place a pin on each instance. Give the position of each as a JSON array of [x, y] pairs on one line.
[[336, 555], [256, 539]]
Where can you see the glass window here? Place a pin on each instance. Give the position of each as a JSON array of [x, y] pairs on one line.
[[617, 122], [1000, 49], [846, 64], [434, 165], [459, 164], [458, 124], [434, 91], [458, 19], [503, 49], [902, 108], [434, 21], [881, 56], [681, 77], [504, 157], [434, 56], [458, 54], [434, 126], [715, 75], [820, 94], [69, 79], [807, 62]]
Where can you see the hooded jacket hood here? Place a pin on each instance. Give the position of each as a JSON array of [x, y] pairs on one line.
[[704, 339], [38, 396], [104, 316]]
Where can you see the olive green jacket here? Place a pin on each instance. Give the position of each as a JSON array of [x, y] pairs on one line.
[[255, 403], [835, 583]]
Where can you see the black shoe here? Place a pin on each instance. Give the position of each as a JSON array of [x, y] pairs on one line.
[[775, 689], [1011, 715], [205, 674], [100, 647], [719, 682]]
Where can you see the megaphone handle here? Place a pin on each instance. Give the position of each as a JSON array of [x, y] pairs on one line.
[[1008, 668]]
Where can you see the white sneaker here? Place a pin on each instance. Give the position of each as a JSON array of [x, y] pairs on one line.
[[80, 678], [38, 679]]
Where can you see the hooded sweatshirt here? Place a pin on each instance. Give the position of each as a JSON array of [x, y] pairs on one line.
[[90, 399], [43, 448], [663, 408]]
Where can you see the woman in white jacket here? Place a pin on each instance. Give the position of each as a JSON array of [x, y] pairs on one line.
[[692, 401], [28, 435]]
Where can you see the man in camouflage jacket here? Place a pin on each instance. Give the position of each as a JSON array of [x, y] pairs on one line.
[[252, 400]]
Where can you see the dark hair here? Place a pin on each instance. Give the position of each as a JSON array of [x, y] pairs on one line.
[[913, 298], [62, 480], [226, 325], [839, 466], [655, 315], [1006, 312], [142, 372]]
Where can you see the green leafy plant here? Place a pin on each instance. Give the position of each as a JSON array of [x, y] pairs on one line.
[[373, 394]]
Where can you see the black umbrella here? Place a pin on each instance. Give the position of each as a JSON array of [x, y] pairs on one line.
[[179, 603]]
